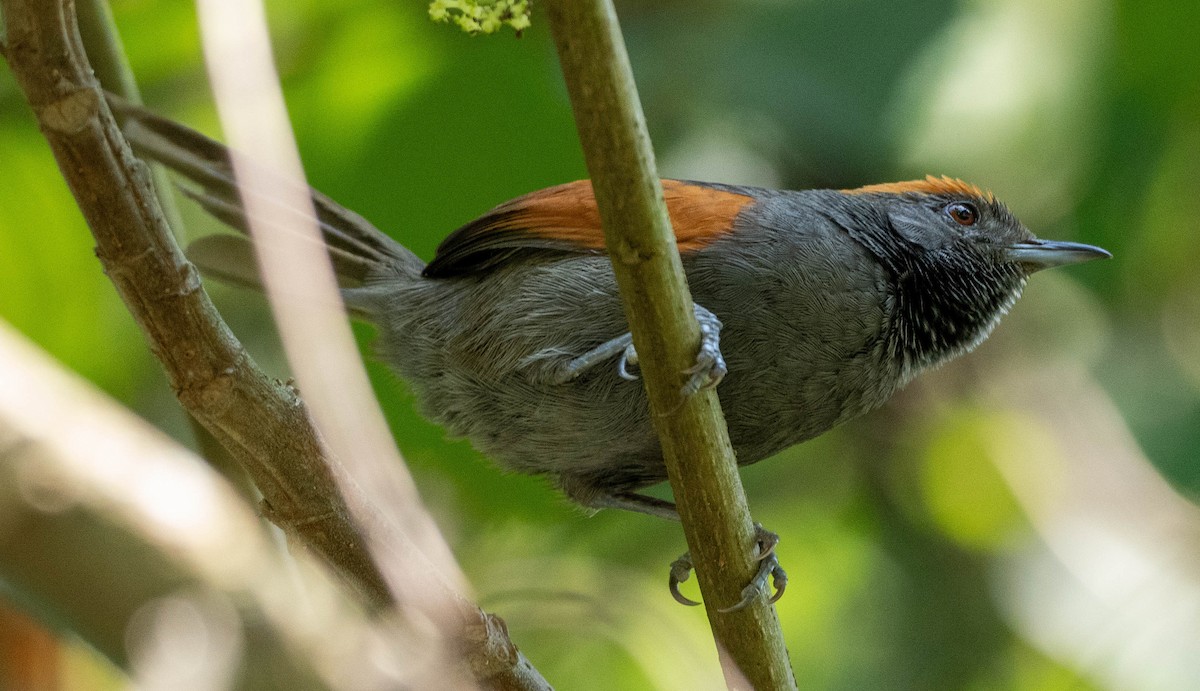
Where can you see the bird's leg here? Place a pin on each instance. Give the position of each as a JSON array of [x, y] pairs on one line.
[[768, 567], [705, 374], [638, 503]]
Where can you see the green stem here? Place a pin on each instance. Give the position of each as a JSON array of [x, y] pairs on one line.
[[695, 442]]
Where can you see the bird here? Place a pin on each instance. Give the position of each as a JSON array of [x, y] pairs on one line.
[[815, 307]]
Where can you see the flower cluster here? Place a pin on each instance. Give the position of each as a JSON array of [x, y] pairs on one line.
[[482, 16]]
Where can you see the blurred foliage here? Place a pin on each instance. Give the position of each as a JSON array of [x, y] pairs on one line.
[[901, 531]]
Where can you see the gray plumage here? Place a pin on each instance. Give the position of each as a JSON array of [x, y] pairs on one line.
[[830, 301]]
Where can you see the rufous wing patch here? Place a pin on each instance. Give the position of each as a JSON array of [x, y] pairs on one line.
[[930, 185], [700, 214], [566, 218]]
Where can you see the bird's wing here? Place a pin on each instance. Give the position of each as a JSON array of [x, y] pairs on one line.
[[565, 219]]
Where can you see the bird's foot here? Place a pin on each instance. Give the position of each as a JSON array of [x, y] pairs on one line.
[[708, 371], [768, 567], [710, 367]]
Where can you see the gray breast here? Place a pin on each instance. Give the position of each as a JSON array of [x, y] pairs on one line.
[[804, 308]]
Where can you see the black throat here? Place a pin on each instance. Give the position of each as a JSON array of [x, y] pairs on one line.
[[946, 302]]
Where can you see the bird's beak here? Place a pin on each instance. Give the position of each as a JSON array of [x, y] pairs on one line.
[[1036, 255]]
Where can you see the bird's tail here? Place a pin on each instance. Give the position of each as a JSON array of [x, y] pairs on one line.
[[355, 247]]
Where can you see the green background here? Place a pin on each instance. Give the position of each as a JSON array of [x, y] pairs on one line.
[[1015, 520]]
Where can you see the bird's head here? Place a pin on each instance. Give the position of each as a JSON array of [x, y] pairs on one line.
[[958, 259], [948, 216]]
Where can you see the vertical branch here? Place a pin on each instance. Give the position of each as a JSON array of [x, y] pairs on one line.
[[695, 442]]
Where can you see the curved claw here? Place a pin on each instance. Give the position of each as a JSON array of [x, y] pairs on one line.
[[710, 367], [681, 570], [779, 579], [629, 357]]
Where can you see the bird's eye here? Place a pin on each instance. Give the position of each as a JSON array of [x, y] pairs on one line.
[[963, 213]]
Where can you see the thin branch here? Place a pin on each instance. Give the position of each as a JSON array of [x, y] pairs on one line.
[[261, 421], [695, 442]]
